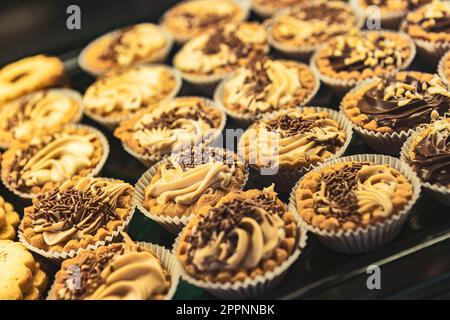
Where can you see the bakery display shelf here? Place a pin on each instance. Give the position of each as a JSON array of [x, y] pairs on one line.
[[319, 272]]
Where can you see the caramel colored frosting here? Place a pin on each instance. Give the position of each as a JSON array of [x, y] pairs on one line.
[[275, 4], [265, 85], [125, 271], [189, 19], [238, 234], [220, 51], [125, 92], [77, 209], [39, 112], [394, 5], [132, 44], [291, 136], [184, 180], [311, 24]]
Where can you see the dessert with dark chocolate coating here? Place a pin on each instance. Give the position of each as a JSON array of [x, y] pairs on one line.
[[397, 103], [77, 214], [351, 195], [246, 235]]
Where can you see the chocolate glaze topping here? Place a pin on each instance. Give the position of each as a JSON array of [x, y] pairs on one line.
[[432, 158], [388, 112]]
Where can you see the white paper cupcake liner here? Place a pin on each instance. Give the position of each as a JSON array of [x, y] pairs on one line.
[[302, 53], [441, 68], [248, 288], [168, 262], [94, 172], [285, 178], [157, 57], [341, 87], [211, 139], [75, 95], [368, 238], [243, 121], [389, 20], [439, 193], [180, 39], [172, 224], [112, 123], [59, 256]]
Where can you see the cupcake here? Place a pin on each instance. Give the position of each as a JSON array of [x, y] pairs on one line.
[[392, 11], [22, 276], [444, 69], [28, 75], [191, 18], [428, 153], [38, 113], [174, 190], [83, 213], [356, 204], [266, 8], [385, 111], [265, 85], [143, 42], [45, 162], [207, 58], [346, 61], [300, 30], [120, 271], [429, 26], [118, 95], [172, 126], [242, 246], [9, 220], [284, 145]]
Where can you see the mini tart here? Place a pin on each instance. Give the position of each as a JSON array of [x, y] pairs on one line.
[[171, 126], [430, 23], [83, 212], [397, 103], [118, 95], [309, 25], [351, 195], [292, 139], [356, 57], [120, 271], [220, 51], [429, 154], [191, 18], [22, 277], [246, 235], [144, 42], [38, 113], [29, 74], [192, 179], [266, 85], [45, 162], [9, 220], [266, 8]]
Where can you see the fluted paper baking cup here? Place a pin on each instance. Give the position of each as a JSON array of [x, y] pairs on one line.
[[439, 193], [341, 87], [442, 69], [157, 57], [371, 237], [383, 142], [94, 172], [180, 39], [59, 256], [285, 178], [172, 224], [302, 53], [73, 94], [250, 287], [211, 139], [112, 122], [242, 120], [168, 262], [388, 20]]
